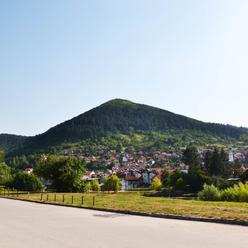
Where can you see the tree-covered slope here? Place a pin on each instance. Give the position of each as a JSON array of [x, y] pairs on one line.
[[125, 117], [9, 142]]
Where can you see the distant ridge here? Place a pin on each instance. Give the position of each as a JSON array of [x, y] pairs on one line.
[[125, 117], [10, 141]]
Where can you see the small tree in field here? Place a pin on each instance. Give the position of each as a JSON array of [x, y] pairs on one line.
[[95, 186], [112, 183], [87, 187], [65, 173], [156, 184]]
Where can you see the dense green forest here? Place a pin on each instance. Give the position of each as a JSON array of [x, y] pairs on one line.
[[9, 142], [121, 124], [150, 141]]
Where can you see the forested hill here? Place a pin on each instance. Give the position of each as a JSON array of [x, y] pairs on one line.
[[125, 117], [9, 142]]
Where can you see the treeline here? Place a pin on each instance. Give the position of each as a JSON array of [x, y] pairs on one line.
[[57, 173], [213, 169], [15, 178]]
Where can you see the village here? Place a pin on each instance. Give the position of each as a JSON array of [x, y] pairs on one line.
[[138, 169]]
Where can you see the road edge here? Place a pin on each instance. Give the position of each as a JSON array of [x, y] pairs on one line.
[[137, 213]]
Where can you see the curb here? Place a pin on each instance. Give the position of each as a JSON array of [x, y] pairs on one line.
[[136, 213]]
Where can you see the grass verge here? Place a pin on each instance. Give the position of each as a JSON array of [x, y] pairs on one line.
[[137, 202]]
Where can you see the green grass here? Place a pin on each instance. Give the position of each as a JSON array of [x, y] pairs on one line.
[[134, 201]]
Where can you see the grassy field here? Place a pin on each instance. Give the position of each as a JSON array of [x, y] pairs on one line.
[[137, 202]]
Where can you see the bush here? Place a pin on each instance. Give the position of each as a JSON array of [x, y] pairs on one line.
[[164, 192], [91, 186], [95, 186], [26, 182], [237, 193], [209, 193], [156, 184], [180, 184], [87, 187], [219, 182], [112, 183], [5, 174]]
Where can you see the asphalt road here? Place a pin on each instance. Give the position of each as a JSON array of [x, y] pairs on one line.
[[30, 225]]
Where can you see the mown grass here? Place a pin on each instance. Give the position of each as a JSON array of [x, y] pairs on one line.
[[137, 202]]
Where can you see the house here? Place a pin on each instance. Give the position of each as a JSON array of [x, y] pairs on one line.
[[131, 181], [147, 176], [28, 170]]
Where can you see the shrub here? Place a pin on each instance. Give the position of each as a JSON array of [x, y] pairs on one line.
[[26, 182], [156, 184], [5, 173], [165, 177], [112, 183], [237, 193], [180, 184], [219, 182], [95, 186], [209, 193], [87, 187]]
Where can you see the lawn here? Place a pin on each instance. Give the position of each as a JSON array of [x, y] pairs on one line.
[[134, 201]]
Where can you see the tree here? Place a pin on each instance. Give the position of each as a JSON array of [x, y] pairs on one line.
[[95, 186], [156, 184], [165, 178], [196, 176], [237, 168], [196, 179], [26, 182], [2, 156], [216, 163], [180, 184], [112, 183], [5, 173], [225, 168], [64, 172], [208, 162], [87, 187], [191, 157], [175, 176]]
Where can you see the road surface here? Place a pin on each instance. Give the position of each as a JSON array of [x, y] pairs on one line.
[[31, 225]]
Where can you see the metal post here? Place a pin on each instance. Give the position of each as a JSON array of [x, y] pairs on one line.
[[72, 200], [82, 200], [93, 201], [63, 198]]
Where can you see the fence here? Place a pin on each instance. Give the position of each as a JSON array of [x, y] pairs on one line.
[[88, 199]]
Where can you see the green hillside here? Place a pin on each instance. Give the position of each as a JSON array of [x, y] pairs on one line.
[[9, 142], [122, 117]]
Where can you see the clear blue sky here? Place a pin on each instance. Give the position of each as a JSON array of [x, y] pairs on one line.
[[60, 58]]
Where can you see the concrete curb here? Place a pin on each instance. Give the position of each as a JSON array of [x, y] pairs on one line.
[[136, 213]]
